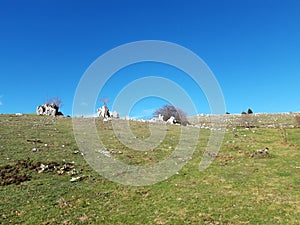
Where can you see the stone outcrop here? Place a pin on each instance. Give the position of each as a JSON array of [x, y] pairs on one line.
[[103, 112], [48, 110]]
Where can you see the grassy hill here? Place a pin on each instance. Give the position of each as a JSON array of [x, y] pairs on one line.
[[263, 120], [39, 157]]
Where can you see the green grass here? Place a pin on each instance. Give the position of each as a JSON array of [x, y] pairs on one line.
[[235, 189]]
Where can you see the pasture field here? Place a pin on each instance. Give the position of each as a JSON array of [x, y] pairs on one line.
[[39, 157]]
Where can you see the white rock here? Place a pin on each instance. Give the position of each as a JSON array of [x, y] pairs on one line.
[[35, 150], [75, 179]]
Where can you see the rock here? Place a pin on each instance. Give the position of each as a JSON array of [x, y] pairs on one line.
[[75, 179], [103, 112], [171, 120], [74, 172], [34, 141], [115, 114], [261, 153], [35, 150], [116, 152], [159, 119], [48, 110], [43, 168]]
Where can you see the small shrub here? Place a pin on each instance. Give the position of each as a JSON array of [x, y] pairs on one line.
[[283, 134], [297, 119]]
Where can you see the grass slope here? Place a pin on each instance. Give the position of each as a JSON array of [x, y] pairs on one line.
[[235, 189]]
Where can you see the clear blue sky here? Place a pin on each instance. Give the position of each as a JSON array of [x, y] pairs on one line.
[[251, 46]]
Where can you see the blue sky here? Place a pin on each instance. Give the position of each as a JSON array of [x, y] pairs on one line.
[[251, 46]]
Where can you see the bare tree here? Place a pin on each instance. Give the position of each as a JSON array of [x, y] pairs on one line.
[[55, 101], [169, 110], [104, 100]]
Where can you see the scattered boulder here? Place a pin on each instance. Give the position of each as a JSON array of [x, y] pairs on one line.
[[159, 119], [261, 153], [21, 171]]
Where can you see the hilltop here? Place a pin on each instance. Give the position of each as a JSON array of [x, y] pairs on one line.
[[46, 180]]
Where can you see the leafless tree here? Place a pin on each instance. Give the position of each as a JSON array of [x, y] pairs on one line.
[[169, 110], [104, 100], [55, 101]]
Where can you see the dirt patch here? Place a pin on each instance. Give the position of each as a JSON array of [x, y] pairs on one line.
[[21, 171]]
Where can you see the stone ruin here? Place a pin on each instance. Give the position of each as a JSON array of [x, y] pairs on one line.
[[48, 110]]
